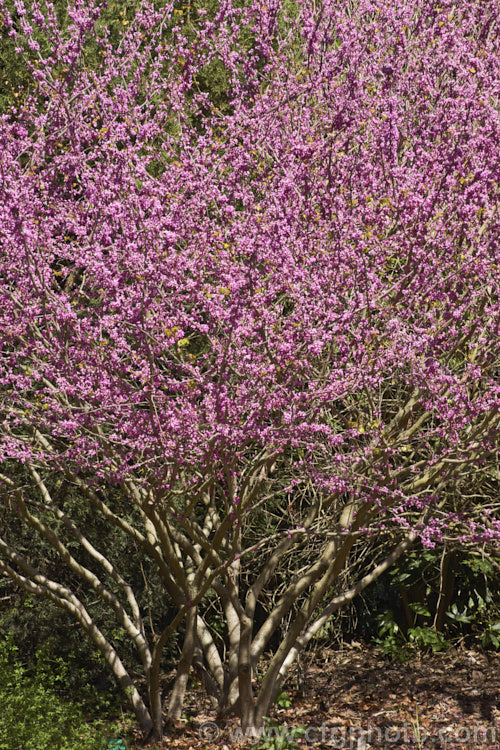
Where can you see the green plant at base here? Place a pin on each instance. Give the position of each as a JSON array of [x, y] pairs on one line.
[[480, 610], [34, 717], [396, 644], [424, 638], [116, 745], [390, 638], [279, 737], [283, 700], [491, 636]]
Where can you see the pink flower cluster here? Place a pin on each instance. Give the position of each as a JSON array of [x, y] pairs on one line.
[[310, 267]]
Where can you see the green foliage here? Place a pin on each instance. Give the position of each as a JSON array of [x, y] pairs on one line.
[[459, 617], [399, 645], [55, 635], [390, 637], [491, 636], [116, 745], [55, 629], [472, 613], [428, 638], [477, 603], [283, 699], [33, 714], [279, 737]]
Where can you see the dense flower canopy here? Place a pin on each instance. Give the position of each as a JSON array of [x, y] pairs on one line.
[[308, 265]]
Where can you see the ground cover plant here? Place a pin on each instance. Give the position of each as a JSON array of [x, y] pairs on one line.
[[38, 714], [255, 335]]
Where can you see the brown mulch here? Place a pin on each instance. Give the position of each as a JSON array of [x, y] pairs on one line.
[[356, 698]]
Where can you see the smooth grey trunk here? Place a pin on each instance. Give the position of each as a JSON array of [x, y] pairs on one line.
[[230, 691], [246, 698], [184, 667], [210, 652]]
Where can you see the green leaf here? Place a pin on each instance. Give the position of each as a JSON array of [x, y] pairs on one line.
[[419, 609]]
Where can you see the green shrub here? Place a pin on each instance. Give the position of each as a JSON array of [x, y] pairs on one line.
[[34, 716]]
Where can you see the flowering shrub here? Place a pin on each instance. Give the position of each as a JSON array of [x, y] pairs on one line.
[[270, 317]]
